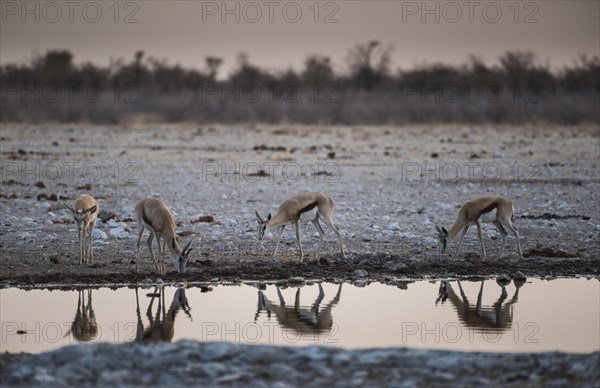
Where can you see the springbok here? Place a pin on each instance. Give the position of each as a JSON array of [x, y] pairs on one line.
[[492, 209], [85, 212], [305, 206], [153, 214]]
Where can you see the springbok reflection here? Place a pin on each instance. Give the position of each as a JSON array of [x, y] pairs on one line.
[[162, 323], [498, 317], [84, 327], [301, 319]]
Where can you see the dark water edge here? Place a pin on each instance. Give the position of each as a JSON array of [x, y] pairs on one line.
[[375, 267]]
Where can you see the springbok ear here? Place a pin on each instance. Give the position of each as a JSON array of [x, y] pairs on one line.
[[188, 245], [90, 209], [258, 215], [269, 217], [69, 207], [438, 229], [173, 243], [445, 231]]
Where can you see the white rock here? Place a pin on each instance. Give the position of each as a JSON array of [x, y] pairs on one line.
[[394, 226], [112, 224], [118, 232], [410, 236], [430, 241], [247, 235], [100, 235]]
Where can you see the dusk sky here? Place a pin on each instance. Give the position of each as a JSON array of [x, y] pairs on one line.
[[186, 31]]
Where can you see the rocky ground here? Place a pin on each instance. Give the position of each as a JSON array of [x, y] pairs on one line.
[[226, 364], [390, 186]]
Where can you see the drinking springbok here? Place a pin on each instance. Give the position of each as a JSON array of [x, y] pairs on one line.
[[492, 209], [305, 206]]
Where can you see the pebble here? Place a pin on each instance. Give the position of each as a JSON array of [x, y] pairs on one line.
[[248, 235], [393, 265], [27, 236], [100, 235], [118, 232], [360, 273], [112, 223], [394, 226]]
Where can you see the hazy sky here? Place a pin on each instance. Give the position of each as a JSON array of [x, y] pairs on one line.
[[284, 33]]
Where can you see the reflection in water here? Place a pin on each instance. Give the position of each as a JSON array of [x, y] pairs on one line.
[[467, 316], [301, 319], [84, 326], [498, 317], [162, 324]]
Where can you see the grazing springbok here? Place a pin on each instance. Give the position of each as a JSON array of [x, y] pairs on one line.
[[492, 209], [153, 214], [85, 212], [305, 206]]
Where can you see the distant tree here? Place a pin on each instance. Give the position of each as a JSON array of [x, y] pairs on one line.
[[89, 74], [583, 75], [317, 70], [55, 66], [212, 66], [135, 72], [517, 64], [368, 63], [167, 78], [247, 72], [477, 71], [522, 70]]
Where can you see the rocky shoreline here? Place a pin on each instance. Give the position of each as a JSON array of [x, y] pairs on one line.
[[229, 364], [384, 268]]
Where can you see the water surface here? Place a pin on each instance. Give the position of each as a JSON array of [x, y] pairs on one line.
[[538, 315]]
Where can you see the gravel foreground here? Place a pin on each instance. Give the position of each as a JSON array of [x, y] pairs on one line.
[[226, 364]]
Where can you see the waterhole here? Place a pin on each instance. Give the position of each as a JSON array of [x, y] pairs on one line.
[[488, 315]]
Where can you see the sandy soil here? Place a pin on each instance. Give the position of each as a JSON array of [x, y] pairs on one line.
[[390, 185]]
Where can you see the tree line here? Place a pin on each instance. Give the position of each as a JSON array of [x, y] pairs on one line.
[[519, 87]]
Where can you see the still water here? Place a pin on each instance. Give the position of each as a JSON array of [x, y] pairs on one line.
[[562, 314]]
